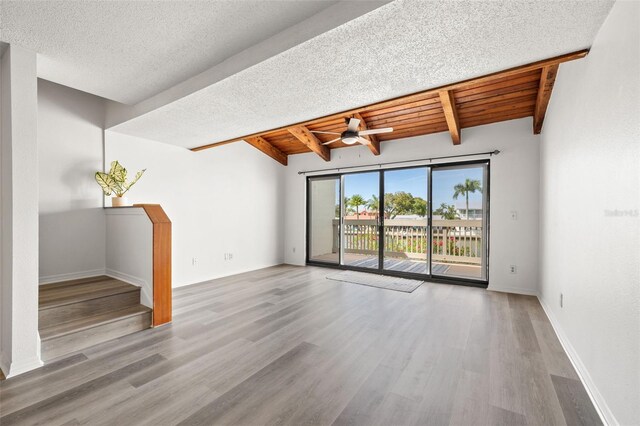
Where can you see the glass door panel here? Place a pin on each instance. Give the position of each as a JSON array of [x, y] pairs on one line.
[[406, 225], [360, 225], [324, 219], [458, 223]]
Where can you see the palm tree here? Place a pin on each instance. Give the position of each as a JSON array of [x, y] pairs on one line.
[[465, 188], [373, 205], [356, 201], [347, 206], [447, 211]]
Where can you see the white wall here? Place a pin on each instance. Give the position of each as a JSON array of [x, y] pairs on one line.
[[590, 168], [514, 187], [72, 224], [129, 246], [19, 263], [224, 200]]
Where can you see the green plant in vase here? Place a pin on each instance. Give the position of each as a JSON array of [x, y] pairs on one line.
[[115, 182]]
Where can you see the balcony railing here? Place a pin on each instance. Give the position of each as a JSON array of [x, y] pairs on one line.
[[454, 241]]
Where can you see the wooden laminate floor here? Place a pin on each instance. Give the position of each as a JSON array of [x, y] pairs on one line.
[[284, 345]]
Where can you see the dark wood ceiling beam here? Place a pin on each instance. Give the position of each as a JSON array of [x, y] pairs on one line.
[[547, 79], [427, 95], [261, 143], [451, 114], [374, 143], [311, 141]]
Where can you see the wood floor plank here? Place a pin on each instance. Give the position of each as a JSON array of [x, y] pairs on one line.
[[437, 403], [471, 400], [363, 405], [575, 402], [395, 410], [33, 375], [523, 329], [541, 403], [26, 393], [272, 374], [91, 386], [555, 358], [284, 345], [501, 417], [324, 400]]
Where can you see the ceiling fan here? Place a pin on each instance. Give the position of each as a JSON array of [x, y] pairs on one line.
[[352, 135]]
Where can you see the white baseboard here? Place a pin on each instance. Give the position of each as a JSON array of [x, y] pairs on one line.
[[228, 274], [598, 401], [146, 295], [71, 276], [19, 367], [130, 279], [4, 364], [516, 290]]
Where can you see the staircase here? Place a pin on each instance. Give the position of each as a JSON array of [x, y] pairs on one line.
[[74, 315]]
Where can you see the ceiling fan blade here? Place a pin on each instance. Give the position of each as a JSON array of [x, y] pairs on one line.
[[363, 141], [325, 133], [331, 141], [353, 124], [376, 131]]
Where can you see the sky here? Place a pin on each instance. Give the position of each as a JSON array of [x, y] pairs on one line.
[[414, 181]]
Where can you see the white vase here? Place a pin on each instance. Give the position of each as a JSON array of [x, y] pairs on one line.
[[119, 202]]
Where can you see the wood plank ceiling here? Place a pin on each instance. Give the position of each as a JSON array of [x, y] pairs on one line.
[[506, 95]]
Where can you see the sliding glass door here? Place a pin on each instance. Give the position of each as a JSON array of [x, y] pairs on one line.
[[459, 236], [324, 219], [406, 220], [360, 220], [426, 221]]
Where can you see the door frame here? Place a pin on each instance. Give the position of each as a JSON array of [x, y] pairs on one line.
[[380, 270], [485, 204], [308, 221]]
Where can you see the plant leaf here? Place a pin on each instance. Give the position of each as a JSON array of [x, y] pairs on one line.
[[106, 182], [118, 172], [135, 179]]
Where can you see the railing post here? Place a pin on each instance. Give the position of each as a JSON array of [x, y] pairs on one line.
[[162, 292]]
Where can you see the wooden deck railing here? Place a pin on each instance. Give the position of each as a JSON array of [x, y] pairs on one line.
[[457, 241]]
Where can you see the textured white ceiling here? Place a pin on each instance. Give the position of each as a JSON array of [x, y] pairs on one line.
[[130, 50], [400, 48]]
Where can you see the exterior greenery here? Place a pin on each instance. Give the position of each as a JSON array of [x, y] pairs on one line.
[[447, 211], [404, 203], [398, 203], [356, 201], [411, 239], [469, 186]]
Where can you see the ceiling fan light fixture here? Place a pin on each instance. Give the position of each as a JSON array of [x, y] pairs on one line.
[[350, 140], [349, 137]]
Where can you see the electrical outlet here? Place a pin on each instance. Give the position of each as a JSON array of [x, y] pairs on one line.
[[561, 300], [293, 249], [230, 256], [513, 269], [514, 215], [194, 261]]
